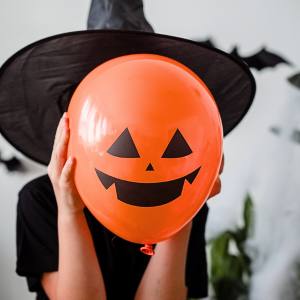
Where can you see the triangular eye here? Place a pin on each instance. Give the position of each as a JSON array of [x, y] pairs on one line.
[[178, 147], [124, 146]]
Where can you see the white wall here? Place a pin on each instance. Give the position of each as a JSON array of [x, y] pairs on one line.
[[256, 160], [23, 22]]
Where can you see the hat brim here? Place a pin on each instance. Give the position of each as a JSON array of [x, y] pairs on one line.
[[37, 82]]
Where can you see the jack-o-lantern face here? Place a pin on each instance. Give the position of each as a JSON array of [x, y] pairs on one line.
[[141, 193], [147, 137]]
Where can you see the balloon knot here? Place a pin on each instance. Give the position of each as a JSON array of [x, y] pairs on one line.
[[147, 249]]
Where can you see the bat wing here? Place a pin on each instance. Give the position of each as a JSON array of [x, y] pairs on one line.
[[12, 164], [262, 59], [207, 42], [295, 80]]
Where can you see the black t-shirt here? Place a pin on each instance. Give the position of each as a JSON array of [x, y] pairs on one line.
[[121, 262]]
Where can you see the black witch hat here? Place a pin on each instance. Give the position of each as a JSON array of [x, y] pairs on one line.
[[37, 82]]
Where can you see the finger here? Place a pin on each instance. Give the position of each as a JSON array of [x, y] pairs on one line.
[[61, 150], [67, 174], [59, 153], [216, 188], [69, 190], [63, 140], [59, 129]]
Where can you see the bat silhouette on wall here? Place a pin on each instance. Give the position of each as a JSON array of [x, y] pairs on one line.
[[295, 80], [208, 43], [275, 130], [296, 136], [260, 60], [12, 164]]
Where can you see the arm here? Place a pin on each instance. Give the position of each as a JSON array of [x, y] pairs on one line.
[[79, 275], [164, 278]]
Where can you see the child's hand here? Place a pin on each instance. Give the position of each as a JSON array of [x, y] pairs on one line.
[[185, 231], [217, 186], [61, 172]]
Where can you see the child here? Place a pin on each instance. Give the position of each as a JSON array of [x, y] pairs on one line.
[[65, 253]]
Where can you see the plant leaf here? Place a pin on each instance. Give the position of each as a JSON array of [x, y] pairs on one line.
[[248, 216]]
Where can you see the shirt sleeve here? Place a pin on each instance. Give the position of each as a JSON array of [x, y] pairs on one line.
[[37, 239], [196, 266]]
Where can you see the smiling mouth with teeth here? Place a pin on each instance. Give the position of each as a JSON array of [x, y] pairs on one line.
[[146, 194]]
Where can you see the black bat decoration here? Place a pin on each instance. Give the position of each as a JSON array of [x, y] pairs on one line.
[[295, 80], [260, 60], [275, 130], [207, 42], [12, 164], [296, 136]]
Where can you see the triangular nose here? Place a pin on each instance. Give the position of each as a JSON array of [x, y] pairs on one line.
[[150, 168]]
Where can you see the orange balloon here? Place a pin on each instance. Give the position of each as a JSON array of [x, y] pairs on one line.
[[147, 137]]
